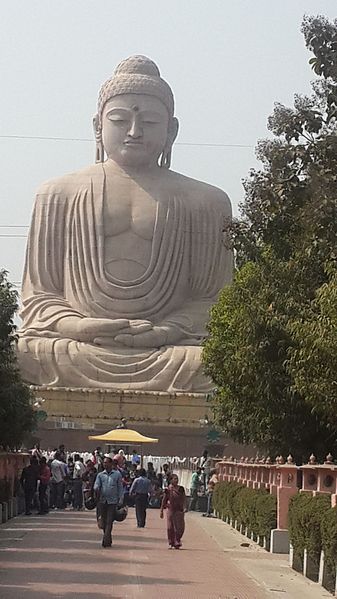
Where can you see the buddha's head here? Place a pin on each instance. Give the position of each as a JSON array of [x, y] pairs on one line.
[[135, 123]]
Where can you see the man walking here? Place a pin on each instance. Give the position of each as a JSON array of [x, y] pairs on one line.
[[29, 478], [58, 474], [79, 470], [109, 490], [210, 490], [195, 485], [165, 476], [205, 465], [140, 489], [44, 477], [36, 452], [98, 459], [135, 459]]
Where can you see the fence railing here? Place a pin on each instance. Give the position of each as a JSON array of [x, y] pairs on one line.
[[11, 465], [284, 479]]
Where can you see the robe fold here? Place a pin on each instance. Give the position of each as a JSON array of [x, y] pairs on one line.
[[65, 275]]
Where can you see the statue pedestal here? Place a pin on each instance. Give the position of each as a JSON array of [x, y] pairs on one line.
[[177, 420]]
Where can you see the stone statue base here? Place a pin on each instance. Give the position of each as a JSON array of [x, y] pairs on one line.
[[177, 419]]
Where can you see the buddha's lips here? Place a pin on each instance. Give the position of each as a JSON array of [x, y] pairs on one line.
[[133, 143]]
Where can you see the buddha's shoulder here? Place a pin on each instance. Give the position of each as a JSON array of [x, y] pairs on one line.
[[198, 190], [71, 182]]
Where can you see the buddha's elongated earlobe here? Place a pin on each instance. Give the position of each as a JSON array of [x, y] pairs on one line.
[[165, 159], [99, 157], [99, 151]]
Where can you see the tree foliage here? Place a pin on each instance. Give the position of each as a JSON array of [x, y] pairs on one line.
[[313, 359], [272, 346], [17, 416]]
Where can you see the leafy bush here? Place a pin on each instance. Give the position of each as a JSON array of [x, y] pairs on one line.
[[17, 416], [306, 513], [254, 509], [223, 499], [329, 546], [266, 506]]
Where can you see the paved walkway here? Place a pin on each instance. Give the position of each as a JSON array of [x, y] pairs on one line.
[[59, 555]]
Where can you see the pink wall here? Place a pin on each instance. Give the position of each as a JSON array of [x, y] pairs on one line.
[[280, 478], [11, 465]]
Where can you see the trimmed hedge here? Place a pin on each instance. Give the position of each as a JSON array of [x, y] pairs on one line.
[[254, 509], [304, 521], [313, 526], [329, 546]]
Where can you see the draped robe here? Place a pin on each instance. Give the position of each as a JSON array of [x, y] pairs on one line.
[[65, 275]]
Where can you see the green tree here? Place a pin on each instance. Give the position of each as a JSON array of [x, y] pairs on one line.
[[260, 353], [313, 359], [17, 416]]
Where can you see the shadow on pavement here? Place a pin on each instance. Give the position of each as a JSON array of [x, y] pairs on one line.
[[45, 558]]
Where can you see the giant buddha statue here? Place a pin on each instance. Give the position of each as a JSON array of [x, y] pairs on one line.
[[125, 257]]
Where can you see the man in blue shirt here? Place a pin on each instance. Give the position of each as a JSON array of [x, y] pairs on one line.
[[140, 489], [135, 458], [109, 490]]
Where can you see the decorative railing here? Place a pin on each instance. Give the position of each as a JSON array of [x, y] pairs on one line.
[[11, 465], [284, 480]]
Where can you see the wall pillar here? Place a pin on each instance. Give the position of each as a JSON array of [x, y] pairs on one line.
[[283, 497]]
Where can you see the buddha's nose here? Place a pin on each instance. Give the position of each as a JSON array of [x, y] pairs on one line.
[[135, 130]]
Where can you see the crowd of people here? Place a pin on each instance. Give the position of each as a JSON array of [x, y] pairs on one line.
[[58, 480], [111, 483]]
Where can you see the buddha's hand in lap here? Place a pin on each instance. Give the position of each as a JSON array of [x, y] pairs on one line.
[[101, 331], [157, 336], [134, 327]]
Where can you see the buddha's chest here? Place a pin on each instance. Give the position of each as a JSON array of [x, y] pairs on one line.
[[129, 209], [129, 217]]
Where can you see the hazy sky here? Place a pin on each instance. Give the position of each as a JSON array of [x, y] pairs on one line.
[[226, 61]]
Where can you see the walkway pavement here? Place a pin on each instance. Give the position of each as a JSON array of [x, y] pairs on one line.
[[59, 555]]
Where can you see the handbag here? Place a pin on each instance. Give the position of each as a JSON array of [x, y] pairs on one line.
[[90, 502], [121, 513]]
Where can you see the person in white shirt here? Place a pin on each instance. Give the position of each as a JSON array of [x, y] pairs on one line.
[[79, 470], [205, 465], [57, 484]]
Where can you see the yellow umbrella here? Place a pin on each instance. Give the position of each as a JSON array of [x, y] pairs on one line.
[[123, 435]]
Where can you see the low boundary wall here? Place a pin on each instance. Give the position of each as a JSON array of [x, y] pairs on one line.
[[11, 496], [284, 479]]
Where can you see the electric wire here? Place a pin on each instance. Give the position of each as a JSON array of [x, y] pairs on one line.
[[86, 139]]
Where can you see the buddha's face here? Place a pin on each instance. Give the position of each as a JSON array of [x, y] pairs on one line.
[[134, 129]]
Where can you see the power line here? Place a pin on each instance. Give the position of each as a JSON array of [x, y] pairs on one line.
[[209, 145], [43, 138], [85, 139]]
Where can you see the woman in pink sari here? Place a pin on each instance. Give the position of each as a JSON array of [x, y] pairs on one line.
[[174, 501]]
